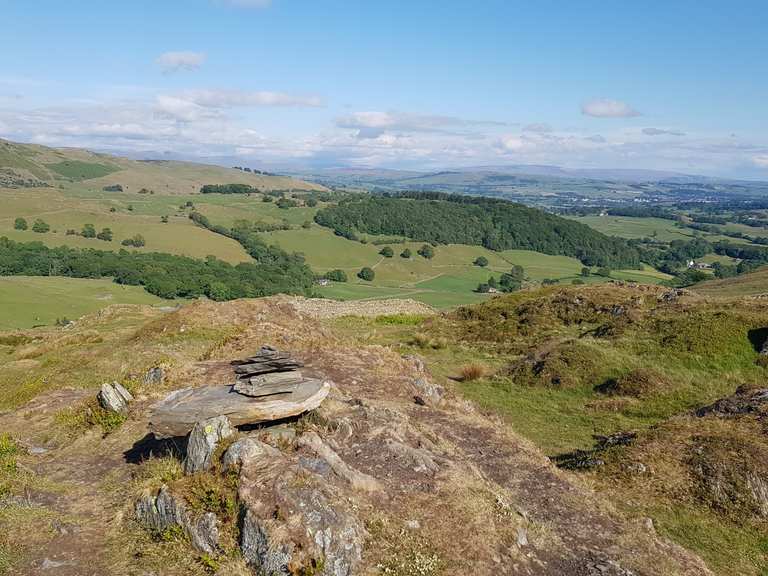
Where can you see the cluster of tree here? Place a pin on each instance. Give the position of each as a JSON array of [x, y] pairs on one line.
[[136, 241], [286, 203], [89, 231], [261, 226], [287, 271], [165, 275], [495, 224], [336, 275], [671, 259], [39, 226], [253, 170], [426, 251], [510, 281], [228, 189]]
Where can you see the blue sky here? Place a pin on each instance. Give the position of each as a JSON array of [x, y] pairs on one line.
[[422, 84]]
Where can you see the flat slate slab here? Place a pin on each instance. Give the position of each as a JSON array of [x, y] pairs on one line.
[[178, 413]]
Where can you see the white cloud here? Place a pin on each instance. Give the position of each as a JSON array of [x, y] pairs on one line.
[[662, 132], [171, 62], [606, 108], [760, 161], [540, 127], [245, 98], [373, 124]]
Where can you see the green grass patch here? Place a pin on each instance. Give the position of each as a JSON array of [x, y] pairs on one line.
[[78, 170]]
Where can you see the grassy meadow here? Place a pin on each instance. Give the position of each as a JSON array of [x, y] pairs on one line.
[[32, 301]]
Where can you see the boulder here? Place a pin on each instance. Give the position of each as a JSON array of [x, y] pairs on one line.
[[247, 450], [428, 393], [114, 398], [154, 376], [162, 511], [203, 441], [178, 412]]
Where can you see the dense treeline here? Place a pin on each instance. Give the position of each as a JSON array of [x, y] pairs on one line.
[[228, 189], [165, 275], [495, 224]]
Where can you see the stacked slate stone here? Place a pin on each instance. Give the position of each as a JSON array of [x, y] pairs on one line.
[[267, 373]]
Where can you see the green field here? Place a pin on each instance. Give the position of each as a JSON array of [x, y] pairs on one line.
[[28, 302], [77, 170], [631, 227]]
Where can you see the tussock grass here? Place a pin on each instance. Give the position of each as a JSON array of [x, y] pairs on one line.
[[471, 372]]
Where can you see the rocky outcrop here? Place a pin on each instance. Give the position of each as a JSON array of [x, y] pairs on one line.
[[163, 511], [114, 398], [203, 441]]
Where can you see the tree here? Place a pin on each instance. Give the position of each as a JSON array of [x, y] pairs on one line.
[[406, 253], [307, 224], [387, 252], [604, 271], [481, 261], [164, 219], [40, 226], [336, 275], [137, 241], [483, 288], [311, 202], [492, 282], [286, 203], [426, 251], [105, 234], [586, 272], [267, 198], [366, 274], [20, 224], [89, 231]]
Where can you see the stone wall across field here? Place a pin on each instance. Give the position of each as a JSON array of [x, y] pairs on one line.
[[322, 308]]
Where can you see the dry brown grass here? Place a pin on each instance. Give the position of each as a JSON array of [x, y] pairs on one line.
[[472, 371]]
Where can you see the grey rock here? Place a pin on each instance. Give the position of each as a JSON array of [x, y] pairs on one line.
[[278, 434], [247, 450], [522, 537], [114, 397], [154, 376], [261, 554], [428, 393], [163, 510], [203, 441]]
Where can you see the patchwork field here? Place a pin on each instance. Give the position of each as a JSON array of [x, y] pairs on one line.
[[629, 227], [28, 302], [752, 284]]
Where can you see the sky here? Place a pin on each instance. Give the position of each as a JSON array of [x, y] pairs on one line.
[[422, 84]]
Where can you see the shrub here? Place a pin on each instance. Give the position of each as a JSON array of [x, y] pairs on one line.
[[481, 261], [366, 274], [387, 252], [88, 231], [136, 241], [286, 203], [577, 282], [405, 253], [164, 219], [105, 234], [473, 371], [307, 224], [586, 271], [426, 251], [311, 202], [20, 224], [115, 188], [40, 226]]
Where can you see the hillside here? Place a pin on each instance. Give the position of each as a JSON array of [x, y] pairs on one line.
[[496, 225], [752, 284], [655, 397], [371, 482], [29, 165]]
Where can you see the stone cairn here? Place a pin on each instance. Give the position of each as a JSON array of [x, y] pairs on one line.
[[267, 373]]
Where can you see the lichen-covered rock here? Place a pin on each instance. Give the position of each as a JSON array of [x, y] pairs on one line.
[[162, 511], [114, 397], [428, 393], [203, 441], [259, 552], [247, 450], [154, 376]]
